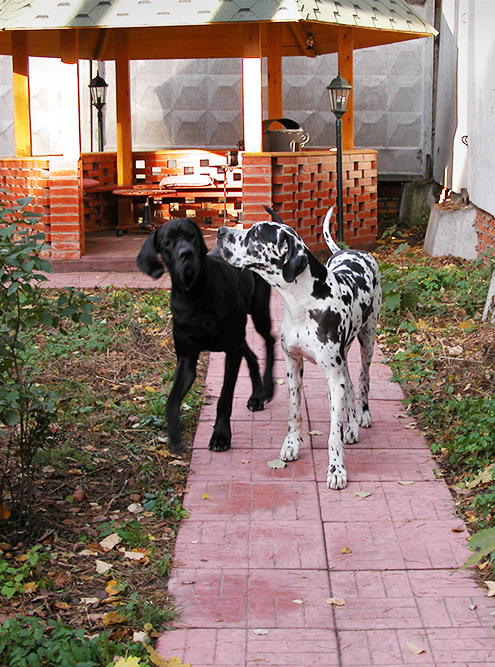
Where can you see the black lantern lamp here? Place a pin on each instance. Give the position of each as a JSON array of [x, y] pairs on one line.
[[339, 90], [98, 88]]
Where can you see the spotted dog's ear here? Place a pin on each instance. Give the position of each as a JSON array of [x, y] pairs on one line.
[[296, 260], [147, 260]]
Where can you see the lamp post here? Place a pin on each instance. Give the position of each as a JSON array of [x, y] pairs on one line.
[[339, 90], [98, 89]]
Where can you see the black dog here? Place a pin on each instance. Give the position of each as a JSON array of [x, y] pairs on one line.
[[210, 301]]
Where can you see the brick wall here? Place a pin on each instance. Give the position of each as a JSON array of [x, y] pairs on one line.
[[485, 226], [100, 206], [303, 186], [66, 207], [28, 177]]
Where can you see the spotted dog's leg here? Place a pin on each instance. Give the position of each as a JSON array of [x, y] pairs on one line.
[[293, 439], [366, 339], [351, 433], [336, 473]]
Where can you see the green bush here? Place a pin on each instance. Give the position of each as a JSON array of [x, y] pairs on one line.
[[28, 642], [27, 408]]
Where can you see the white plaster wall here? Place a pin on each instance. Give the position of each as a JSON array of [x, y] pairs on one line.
[[465, 119]]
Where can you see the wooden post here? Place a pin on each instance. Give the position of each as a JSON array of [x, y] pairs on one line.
[[22, 112], [123, 94], [252, 89], [69, 52], [274, 67], [346, 52]]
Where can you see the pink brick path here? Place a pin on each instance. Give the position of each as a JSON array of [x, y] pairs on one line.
[[264, 549]]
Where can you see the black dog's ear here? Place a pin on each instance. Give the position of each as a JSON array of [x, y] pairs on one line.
[[275, 216], [295, 262], [147, 260]]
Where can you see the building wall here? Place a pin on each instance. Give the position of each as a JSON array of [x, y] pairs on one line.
[[464, 139]]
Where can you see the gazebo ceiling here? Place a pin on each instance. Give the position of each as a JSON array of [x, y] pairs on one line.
[[204, 28]]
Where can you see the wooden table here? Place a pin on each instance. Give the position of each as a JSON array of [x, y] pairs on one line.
[[128, 195]]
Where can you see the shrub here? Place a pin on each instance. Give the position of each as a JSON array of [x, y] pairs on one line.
[[27, 409]]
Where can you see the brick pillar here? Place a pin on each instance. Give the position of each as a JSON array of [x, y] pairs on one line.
[[66, 223], [256, 186]]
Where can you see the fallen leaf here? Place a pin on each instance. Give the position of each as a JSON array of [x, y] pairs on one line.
[[491, 588], [484, 477], [4, 512], [276, 463], [245, 461], [157, 659], [298, 601], [338, 602], [404, 483], [110, 541], [79, 495], [279, 381], [205, 496], [135, 508], [363, 494], [345, 550], [134, 555], [315, 432], [113, 618], [260, 631], [411, 425], [177, 462], [472, 607], [113, 588], [102, 567], [416, 650], [75, 472], [90, 602], [30, 587], [459, 529], [131, 661]]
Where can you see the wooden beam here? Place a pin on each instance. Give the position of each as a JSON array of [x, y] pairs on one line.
[[274, 67], [252, 94], [346, 69], [69, 46], [22, 111], [123, 95]]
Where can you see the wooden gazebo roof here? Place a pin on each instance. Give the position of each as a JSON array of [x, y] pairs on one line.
[[205, 28]]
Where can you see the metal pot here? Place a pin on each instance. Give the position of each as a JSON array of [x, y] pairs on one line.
[[292, 138]]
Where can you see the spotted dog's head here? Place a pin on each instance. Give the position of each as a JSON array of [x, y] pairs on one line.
[[181, 245], [272, 249]]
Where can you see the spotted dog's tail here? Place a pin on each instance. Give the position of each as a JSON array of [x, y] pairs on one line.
[[326, 232]]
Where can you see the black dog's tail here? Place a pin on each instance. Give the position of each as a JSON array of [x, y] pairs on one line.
[[275, 216]]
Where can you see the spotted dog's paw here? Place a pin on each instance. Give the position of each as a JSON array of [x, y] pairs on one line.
[[336, 477], [351, 434], [290, 448], [365, 419]]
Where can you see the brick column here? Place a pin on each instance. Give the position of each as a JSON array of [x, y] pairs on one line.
[[256, 186], [67, 233]]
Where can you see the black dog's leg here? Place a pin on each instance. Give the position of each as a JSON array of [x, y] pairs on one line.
[[260, 314], [256, 401], [184, 376], [222, 434]]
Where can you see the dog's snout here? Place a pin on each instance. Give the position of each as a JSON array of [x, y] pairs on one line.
[[222, 231]]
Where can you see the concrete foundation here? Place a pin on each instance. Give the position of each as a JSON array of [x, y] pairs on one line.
[[452, 232]]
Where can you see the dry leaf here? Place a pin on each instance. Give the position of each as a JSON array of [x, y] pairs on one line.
[[491, 588], [484, 477], [113, 588], [338, 602], [90, 602], [110, 541], [363, 494], [159, 661], [30, 587], [133, 555], [315, 432], [298, 601], [78, 495], [345, 550], [177, 462], [102, 567], [113, 618], [4, 512], [279, 381], [205, 496], [416, 650], [135, 508], [411, 425], [276, 463], [404, 483], [260, 631]]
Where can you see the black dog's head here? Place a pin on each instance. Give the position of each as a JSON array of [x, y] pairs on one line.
[[181, 245]]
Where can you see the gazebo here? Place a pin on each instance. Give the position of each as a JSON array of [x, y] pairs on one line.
[[300, 184]]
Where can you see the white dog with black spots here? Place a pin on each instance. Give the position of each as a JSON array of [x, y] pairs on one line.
[[326, 307]]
